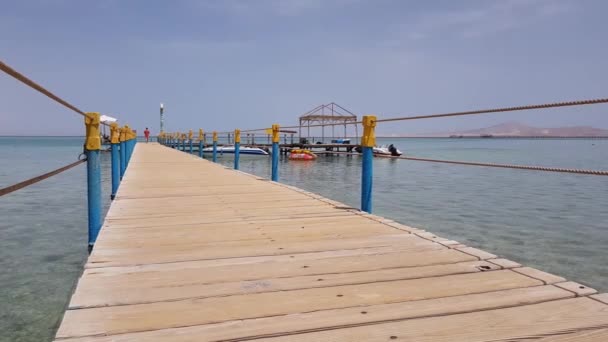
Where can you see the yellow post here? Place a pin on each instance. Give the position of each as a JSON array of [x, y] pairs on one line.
[[114, 133], [369, 135], [275, 134], [237, 136], [93, 139], [200, 134]]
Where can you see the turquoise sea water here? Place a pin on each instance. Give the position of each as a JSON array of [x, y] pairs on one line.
[[555, 222]]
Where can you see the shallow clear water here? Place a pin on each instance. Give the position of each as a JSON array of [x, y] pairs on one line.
[[556, 222], [43, 234]]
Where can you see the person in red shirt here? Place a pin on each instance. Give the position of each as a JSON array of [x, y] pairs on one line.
[[147, 134]]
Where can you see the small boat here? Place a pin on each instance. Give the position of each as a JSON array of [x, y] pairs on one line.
[[229, 149], [298, 154], [387, 150], [341, 141]]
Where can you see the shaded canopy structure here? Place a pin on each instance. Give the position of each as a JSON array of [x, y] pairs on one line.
[[332, 115]]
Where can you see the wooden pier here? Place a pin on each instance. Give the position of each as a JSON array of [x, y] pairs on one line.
[[193, 251]]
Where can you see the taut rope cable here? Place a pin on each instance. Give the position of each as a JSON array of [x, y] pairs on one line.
[[471, 112], [31, 181], [20, 77], [499, 110], [510, 166], [504, 166]]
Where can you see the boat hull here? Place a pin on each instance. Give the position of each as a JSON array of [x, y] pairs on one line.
[[242, 151]]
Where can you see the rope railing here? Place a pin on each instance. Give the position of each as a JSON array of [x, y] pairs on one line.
[[499, 110], [512, 166], [21, 185], [504, 166], [30, 83], [122, 140], [450, 114]]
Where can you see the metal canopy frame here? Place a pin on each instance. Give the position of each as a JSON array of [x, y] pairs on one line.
[[328, 114]]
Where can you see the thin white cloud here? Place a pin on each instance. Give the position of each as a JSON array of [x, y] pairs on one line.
[[272, 7], [491, 18]]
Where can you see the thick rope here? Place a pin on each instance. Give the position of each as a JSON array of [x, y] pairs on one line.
[[510, 166], [34, 180], [499, 110], [505, 166], [471, 112], [20, 77]]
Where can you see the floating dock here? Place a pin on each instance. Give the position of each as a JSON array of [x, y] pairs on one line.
[[193, 251]]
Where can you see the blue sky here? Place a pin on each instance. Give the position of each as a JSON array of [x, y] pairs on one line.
[[247, 64]]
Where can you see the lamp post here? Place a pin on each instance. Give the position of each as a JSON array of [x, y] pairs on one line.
[[162, 121]]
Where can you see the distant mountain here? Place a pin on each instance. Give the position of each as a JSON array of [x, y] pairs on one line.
[[516, 129]]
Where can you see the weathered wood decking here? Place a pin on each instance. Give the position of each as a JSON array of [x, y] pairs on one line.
[[192, 251]]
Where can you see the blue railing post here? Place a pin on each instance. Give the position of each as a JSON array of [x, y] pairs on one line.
[[237, 148], [115, 141], [368, 141], [123, 151], [128, 145], [183, 142], [200, 142], [275, 152], [190, 138], [92, 148], [214, 146]]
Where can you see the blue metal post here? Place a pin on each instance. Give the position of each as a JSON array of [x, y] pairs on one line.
[[191, 146], [214, 147], [367, 179], [201, 137], [123, 152], [92, 150], [114, 139], [128, 145], [275, 153], [368, 140], [237, 148], [129, 149]]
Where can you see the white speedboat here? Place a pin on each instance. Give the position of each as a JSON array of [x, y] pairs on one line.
[[229, 149], [387, 150]]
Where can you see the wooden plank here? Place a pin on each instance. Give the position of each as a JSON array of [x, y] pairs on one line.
[[128, 256], [288, 231], [142, 317], [248, 260], [545, 277], [529, 322], [328, 319], [578, 289], [602, 297], [592, 335], [155, 287]]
